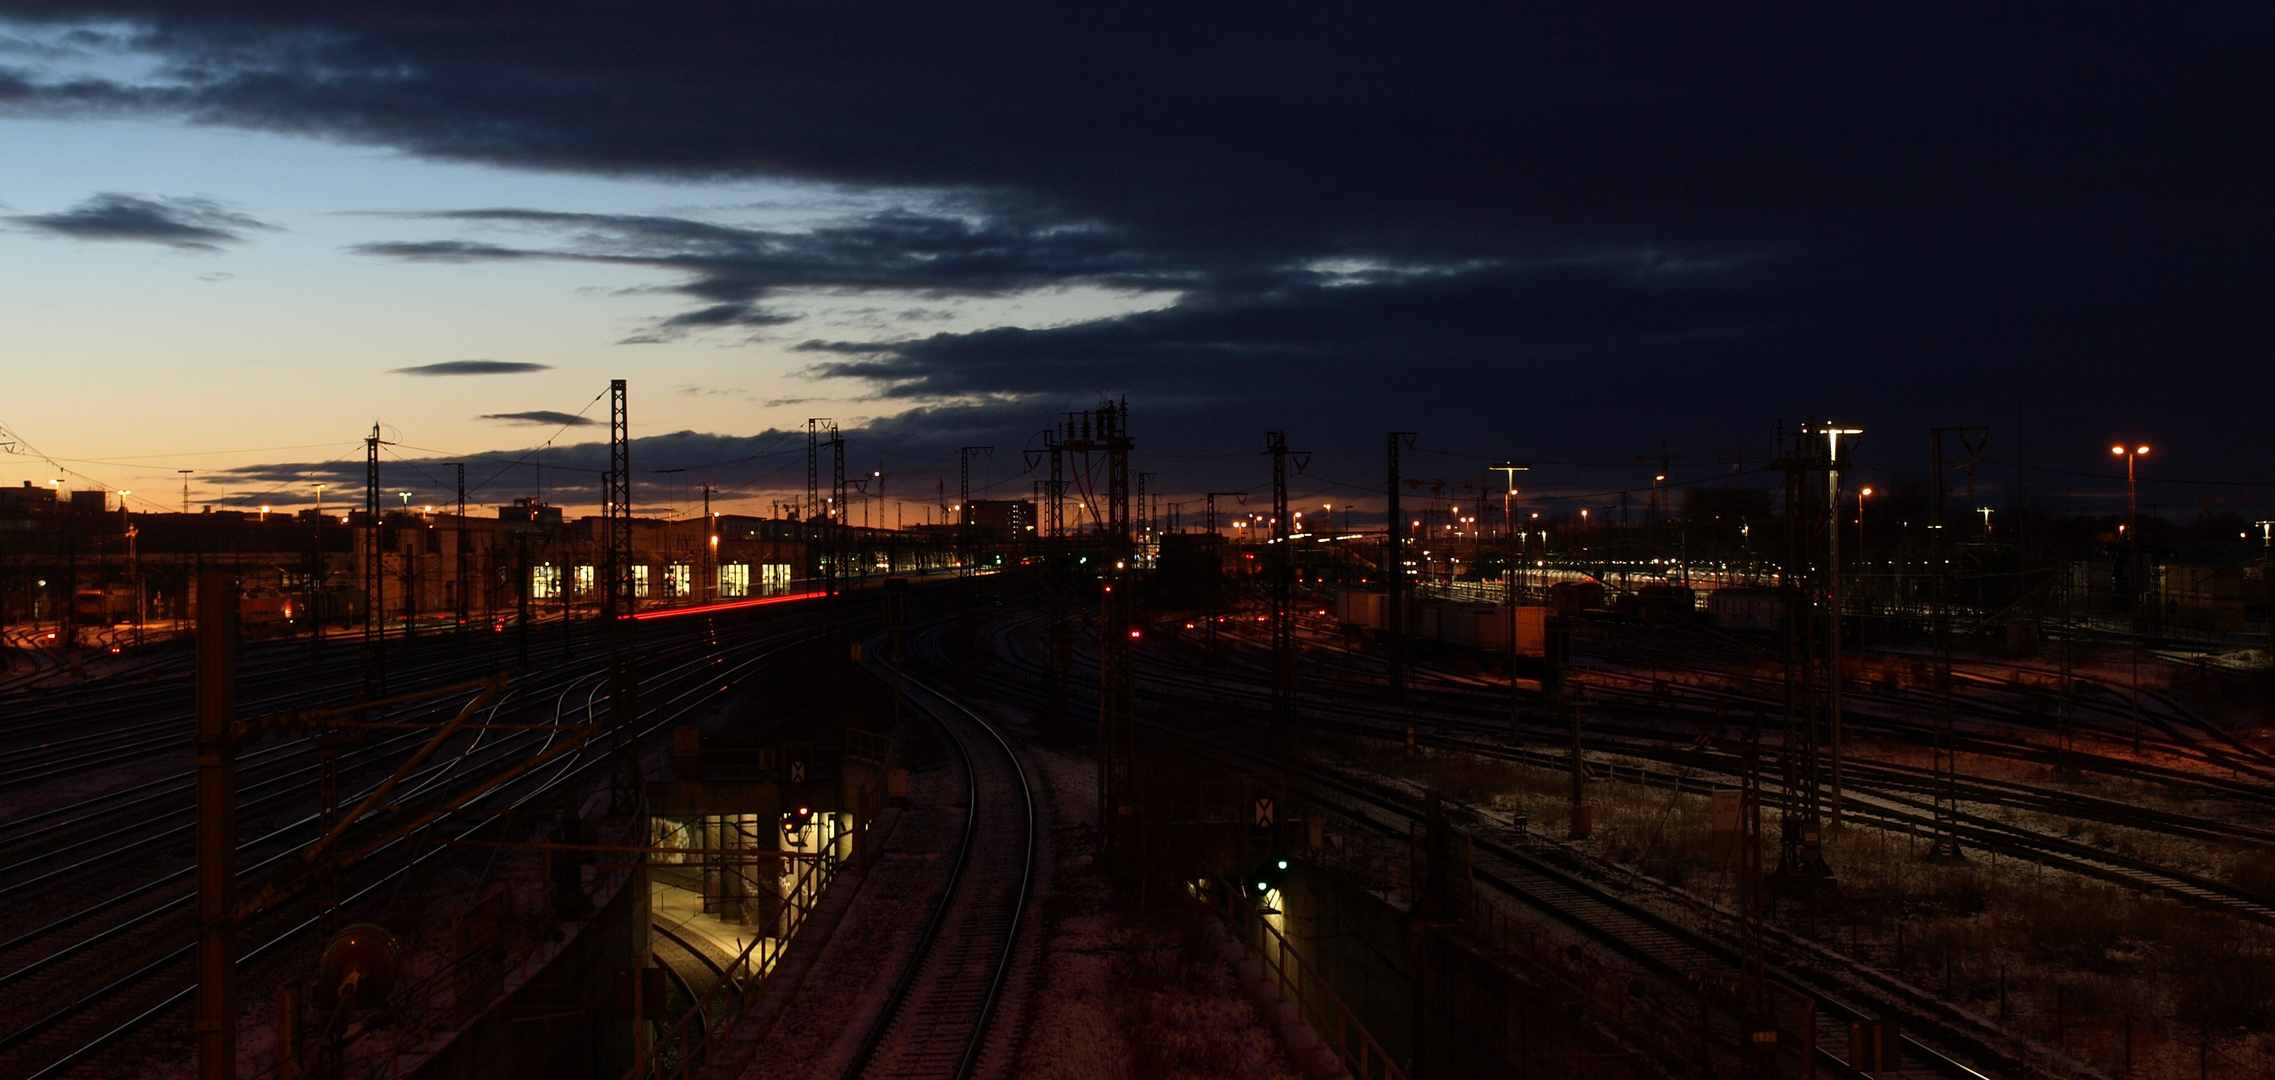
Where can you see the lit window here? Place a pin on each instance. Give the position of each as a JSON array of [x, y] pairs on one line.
[[734, 579], [774, 579], [584, 581], [545, 582], [640, 582], [676, 578]]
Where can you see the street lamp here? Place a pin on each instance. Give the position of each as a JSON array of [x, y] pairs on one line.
[[1510, 469], [2133, 559], [2267, 545], [1833, 599], [134, 562], [1861, 494]]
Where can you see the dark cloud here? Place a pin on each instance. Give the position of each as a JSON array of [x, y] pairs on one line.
[[728, 269], [1595, 226], [540, 417], [186, 224], [442, 251], [474, 367], [918, 454]]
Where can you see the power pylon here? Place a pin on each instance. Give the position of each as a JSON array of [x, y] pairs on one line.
[[374, 578], [1057, 582], [1216, 580], [964, 545], [1800, 839], [1394, 565], [1105, 430], [1283, 582], [623, 670], [459, 550], [1946, 846]]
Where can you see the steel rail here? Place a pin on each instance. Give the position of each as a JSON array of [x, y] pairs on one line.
[[696, 670], [865, 1057]]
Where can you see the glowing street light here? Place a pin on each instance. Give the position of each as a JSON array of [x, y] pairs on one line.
[[1510, 469], [1833, 600], [2133, 538]]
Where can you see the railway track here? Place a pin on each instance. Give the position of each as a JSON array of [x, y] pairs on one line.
[[148, 920], [146, 721], [1725, 675], [943, 1010], [1678, 955], [688, 967], [1703, 710], [1881, 795]]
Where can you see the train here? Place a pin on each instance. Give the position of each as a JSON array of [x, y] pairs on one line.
[[257, 609], [1484, 627], [265, 609]]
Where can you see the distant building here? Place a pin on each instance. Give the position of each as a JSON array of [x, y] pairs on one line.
[[530, 512], [27, 499], [1002, 519], [433, 565]]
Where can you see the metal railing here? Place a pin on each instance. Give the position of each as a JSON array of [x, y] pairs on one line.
[[1317, 1003], [711, 1019]]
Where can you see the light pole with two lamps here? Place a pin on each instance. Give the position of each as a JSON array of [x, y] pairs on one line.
[[2133, 574], [1834, 672], [1509, 572], [133, 560]]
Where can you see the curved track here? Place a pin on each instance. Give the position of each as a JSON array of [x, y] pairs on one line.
[[938, 1020], [135, 930], [1649, 939]]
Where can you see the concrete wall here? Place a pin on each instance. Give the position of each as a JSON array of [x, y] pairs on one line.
[[1357, 942], [1480, 1015], [560, 1024]]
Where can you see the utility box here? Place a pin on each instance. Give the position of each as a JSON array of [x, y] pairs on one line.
[[687, 752], [1573, 597], [1456, 624], [2022, 637], [1749, 609], [1668, 599], [1355, 608], [2205, 597], [1873, 1047], [1492, 630], [1728, 819]]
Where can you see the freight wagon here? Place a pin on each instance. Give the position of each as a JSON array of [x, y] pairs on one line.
[[1749, 609], [1484, 627]]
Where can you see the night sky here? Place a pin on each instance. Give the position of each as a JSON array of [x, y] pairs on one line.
[[233, 235]]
